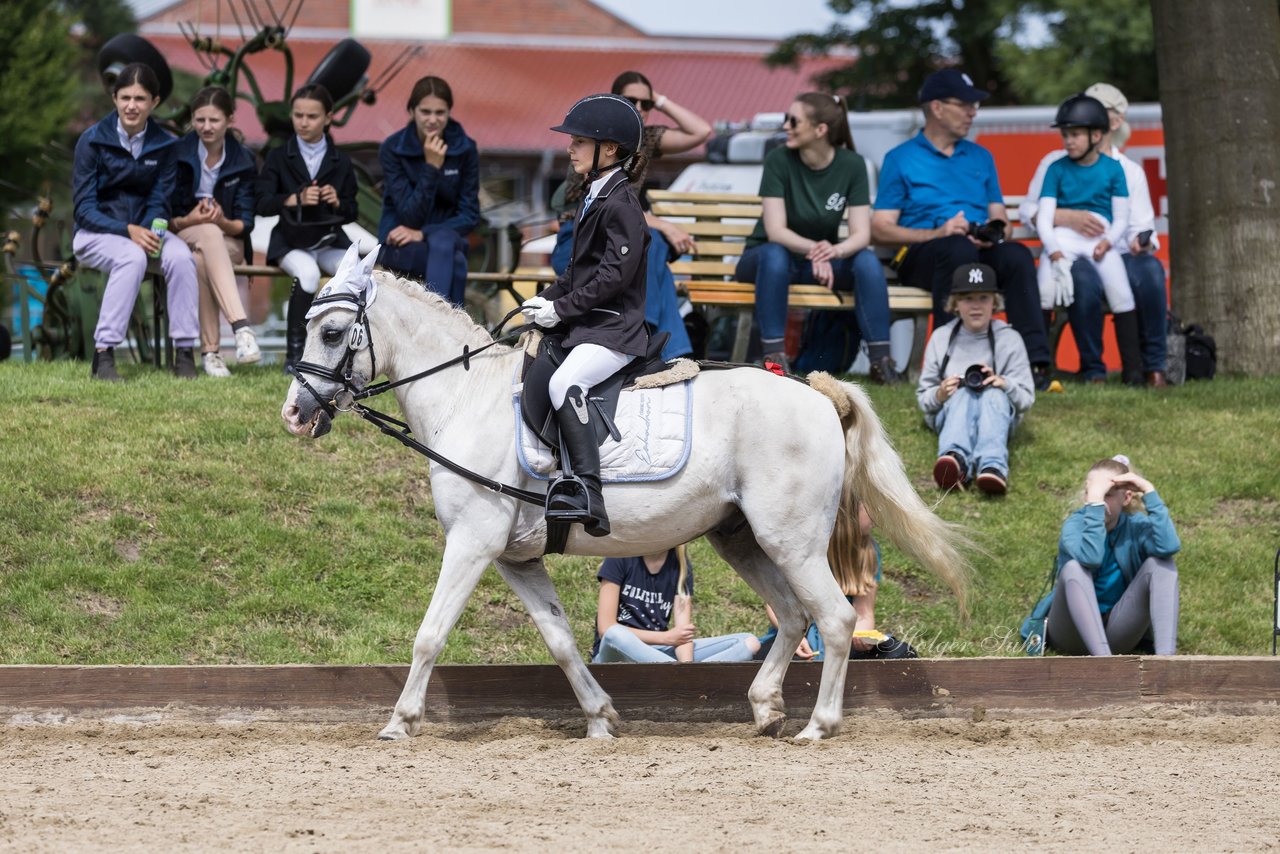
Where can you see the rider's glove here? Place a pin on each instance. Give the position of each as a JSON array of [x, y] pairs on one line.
[[540, 312], [1064, 285]]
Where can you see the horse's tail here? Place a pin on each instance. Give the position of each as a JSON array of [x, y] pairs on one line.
[[874, 474]]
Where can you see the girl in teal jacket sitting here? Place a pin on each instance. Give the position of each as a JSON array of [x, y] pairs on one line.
[[1116, 577]]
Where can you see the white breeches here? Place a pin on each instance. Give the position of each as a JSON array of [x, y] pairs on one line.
[[585, 366], [1115, 281], [305, 265]]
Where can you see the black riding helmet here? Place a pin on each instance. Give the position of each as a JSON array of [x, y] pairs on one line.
[[1082, 111], [604, 118]]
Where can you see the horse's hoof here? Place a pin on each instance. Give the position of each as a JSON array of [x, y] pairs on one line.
[[605, 727], [817, 733], [393, 732], [811, 733], [772, 728]]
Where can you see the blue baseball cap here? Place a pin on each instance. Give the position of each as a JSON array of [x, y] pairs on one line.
[[951, 83]]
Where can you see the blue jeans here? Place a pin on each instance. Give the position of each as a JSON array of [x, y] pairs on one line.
[[440, 259], [772, 267], [661, 309], [1146, 277], [621, 644], [977, 425]]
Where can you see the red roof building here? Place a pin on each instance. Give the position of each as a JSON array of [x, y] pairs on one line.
[[514, 67]]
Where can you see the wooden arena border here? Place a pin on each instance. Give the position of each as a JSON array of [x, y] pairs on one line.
[[703, 692]]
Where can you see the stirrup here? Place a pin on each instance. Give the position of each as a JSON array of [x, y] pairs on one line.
[[590, 512], [569, 489]]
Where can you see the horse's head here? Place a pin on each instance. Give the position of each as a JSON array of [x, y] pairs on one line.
[[338, 359]]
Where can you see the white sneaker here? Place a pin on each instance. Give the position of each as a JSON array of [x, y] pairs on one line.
[[246, 346], [214, 366]]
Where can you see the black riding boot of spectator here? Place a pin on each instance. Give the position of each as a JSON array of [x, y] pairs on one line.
[[1130, 343], [295, 333], [576, 496]]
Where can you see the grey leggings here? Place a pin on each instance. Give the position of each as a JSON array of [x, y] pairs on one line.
[[1076, 627]]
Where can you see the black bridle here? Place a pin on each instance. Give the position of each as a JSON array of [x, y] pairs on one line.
[[348, 397]]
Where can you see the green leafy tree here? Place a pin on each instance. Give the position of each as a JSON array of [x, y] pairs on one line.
[[37, 76], [49, 76], [1089, 40], [1022, 51], [900, 45]]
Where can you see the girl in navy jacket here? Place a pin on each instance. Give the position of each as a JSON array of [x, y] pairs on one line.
[[599, 298], [309, 183], [123, 180], [213, 204], [431, 193]]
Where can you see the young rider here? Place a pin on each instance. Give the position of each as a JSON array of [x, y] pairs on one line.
[[1083, 180], [600, 298]]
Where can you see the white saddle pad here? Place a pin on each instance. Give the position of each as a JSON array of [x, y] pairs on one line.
[[656, 425]]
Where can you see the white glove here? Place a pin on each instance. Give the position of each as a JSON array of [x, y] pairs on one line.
[[540, 311], [1064, 286]]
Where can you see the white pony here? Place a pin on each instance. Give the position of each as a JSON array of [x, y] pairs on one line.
[[772, 460]]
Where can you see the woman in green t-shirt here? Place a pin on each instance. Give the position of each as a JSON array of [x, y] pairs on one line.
[[808, 187]]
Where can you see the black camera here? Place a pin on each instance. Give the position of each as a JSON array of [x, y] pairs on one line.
[[988, 232], [974, 378]]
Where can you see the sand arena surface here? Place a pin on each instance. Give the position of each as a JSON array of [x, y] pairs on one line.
[[1151, 779]]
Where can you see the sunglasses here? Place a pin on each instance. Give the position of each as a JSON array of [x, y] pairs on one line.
[[644, 104], [790, 121]]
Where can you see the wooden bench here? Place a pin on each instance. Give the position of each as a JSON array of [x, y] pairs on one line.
[[720, 222]]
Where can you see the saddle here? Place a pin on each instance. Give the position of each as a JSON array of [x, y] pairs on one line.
[[535, 397]]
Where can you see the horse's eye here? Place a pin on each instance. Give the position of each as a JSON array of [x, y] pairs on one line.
[[331, 336]]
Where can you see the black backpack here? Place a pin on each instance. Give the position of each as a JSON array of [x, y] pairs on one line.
[[1193, 355], [1202, 353], [829, 343]]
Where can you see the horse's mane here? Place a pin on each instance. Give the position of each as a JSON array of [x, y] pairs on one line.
[[455, 319]]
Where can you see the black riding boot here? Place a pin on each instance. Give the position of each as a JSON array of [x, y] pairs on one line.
[[1127, 337], [567, 500], [295, 333]]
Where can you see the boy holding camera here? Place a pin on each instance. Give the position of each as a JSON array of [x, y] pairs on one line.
[[975, 386]]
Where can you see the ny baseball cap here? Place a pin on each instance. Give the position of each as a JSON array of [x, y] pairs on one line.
[[973, 279], [951, 83]]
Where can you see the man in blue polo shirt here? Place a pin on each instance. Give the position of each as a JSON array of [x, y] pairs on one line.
[[932, 188]]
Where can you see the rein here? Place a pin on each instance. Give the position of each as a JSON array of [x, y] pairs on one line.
[[347, 398]]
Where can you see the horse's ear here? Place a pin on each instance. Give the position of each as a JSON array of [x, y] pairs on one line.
[[366, 266], [349, 262]]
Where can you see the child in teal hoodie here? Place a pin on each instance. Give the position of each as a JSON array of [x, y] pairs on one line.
[[1116, 576]]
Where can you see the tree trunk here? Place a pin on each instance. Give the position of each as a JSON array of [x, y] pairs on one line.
[[1219, 66]]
